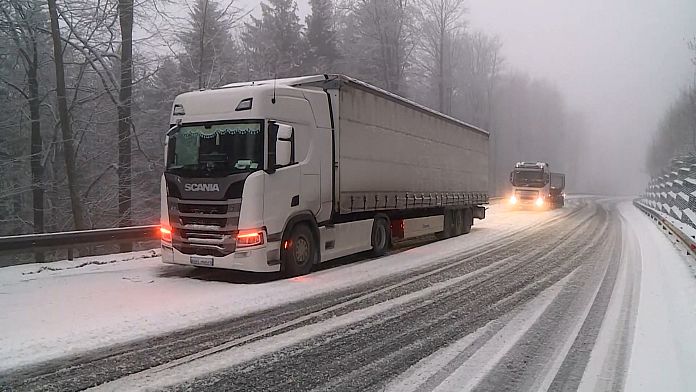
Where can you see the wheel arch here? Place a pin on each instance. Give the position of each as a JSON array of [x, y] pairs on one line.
[[300, 217]]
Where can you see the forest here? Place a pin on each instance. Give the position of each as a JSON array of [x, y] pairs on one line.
[[86, 88], [676, 133]]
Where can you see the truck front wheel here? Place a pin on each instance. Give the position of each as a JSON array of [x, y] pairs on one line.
[[381, 236], [299, 251]]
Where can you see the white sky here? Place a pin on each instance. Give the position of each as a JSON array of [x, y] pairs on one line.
[[620, 63]]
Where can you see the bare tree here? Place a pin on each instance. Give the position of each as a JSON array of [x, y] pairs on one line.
[[441, 25], [676, 133], [476, 74], [20, 22], [380, 39], [65, 122], [125, 98], [99, 38]]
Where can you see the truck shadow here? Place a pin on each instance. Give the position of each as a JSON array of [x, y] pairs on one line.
[[217, 275], [243, 277]]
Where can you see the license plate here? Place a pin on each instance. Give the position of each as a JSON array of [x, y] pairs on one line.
[[202, 261]]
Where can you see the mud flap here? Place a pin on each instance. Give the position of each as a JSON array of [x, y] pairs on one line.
[[479, 212]]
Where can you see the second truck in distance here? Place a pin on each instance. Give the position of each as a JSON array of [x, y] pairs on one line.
[[535, 186]]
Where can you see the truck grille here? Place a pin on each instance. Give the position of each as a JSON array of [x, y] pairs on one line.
[[204, 227], [523, 194]]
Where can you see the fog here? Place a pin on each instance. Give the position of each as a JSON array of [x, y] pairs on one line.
[[619, 65]]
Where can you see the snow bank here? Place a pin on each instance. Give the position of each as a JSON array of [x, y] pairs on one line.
[[663, 356]]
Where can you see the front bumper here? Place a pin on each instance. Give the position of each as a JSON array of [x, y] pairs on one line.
[[528, 205], [255, 259]]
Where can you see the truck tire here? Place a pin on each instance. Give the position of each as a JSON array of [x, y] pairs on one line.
[[301, 252], [468, 220], [381, 236], [458, 216], [447, 225]]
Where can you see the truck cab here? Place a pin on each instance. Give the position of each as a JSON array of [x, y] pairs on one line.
[[530, 185], [534, 186], [240, 163]]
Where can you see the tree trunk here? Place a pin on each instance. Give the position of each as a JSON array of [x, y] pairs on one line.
[[441, 61], [36, 142], [65, 124], [201, 52], [125, 17]]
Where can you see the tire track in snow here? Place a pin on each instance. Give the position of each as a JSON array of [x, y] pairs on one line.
[[373, 351]]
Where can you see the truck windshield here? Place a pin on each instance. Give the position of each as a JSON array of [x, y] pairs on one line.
[[209, 150], [529, 178]]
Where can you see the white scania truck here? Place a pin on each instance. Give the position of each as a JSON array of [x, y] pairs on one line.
[[280, 175]]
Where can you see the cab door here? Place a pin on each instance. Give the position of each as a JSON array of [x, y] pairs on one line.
[[282, 184]]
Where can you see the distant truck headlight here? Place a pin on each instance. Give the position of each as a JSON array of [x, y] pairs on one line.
[[513, 199], [539, 201]]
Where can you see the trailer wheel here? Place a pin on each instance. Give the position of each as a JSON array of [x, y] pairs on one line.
[[381, 236], [458, 223], [299, 251], [448, 228], [468, 220]]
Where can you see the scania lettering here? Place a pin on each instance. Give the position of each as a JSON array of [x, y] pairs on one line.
[[202, 187], [281, 175]]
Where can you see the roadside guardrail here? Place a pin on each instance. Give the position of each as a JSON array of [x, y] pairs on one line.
[[670, 228], [70, 240]]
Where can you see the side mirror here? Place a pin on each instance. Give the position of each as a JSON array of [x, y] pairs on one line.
[[284, 143], [511, 173], [280, 146]]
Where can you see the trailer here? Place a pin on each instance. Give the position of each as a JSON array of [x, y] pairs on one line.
[[280, 175]]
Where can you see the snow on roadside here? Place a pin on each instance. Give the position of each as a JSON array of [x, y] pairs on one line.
[[62, 310], [83, 262], [686, 229], [663, 356]]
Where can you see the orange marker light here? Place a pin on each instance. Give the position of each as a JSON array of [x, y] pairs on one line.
[[166, 234], [250, 239]]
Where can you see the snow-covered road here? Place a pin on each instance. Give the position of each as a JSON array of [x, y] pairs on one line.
[[591, 297]]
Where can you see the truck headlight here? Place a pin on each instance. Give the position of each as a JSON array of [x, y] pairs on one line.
[[250, 238], [513, 199], [539, 201]]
